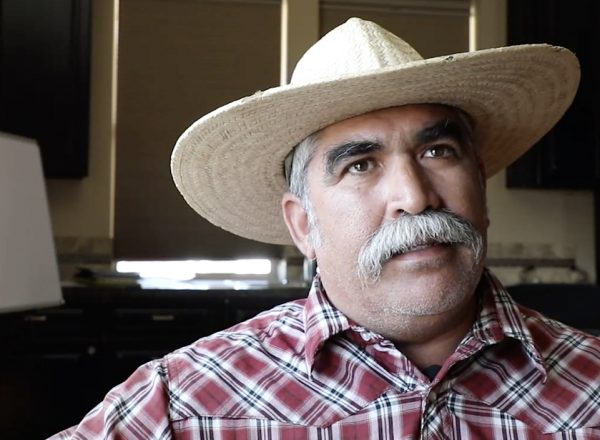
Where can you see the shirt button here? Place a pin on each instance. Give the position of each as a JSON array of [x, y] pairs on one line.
[[432, 397]]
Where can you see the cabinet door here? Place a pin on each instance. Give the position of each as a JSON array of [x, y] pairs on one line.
[[43, 393], [49, 371], [135, 336], [568, 156]]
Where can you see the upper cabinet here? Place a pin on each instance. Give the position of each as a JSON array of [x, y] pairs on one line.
[[45, 50], [568, 157]]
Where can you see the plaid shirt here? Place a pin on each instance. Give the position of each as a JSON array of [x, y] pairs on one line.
[[303, 370]]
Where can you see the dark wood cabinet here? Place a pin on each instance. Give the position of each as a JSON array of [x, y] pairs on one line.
[[568, 157], [57, 363]]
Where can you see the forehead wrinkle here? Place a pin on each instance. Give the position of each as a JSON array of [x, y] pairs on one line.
[[348, 149]]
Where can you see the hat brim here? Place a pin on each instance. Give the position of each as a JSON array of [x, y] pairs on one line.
[[228, 165]]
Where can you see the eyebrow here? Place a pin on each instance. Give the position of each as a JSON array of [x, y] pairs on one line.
[[347, 150], [446, 128]]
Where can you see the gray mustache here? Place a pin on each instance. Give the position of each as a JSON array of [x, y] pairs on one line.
[[409, 232]]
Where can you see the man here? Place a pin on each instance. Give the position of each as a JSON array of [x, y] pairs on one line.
[[404, 334]]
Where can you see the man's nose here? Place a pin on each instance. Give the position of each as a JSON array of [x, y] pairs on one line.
[[409, 189]]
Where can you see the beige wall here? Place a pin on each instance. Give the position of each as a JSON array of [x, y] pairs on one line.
[[83, 208], [532, 217]]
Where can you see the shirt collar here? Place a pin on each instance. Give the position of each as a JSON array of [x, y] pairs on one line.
[[500, 318], [321, 321]]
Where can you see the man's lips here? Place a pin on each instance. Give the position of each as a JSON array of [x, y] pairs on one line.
[[423, 250]]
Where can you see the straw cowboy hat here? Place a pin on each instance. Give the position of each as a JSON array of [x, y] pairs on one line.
[[229, 164]]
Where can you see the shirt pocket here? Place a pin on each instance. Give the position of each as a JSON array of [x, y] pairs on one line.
[[220, 428], [476, 419]]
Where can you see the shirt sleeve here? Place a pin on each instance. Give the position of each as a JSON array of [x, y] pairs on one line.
[[136, 409]]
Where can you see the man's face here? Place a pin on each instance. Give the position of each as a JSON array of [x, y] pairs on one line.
[[377, 167]]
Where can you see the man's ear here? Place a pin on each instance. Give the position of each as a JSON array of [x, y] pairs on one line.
[[296, 219]]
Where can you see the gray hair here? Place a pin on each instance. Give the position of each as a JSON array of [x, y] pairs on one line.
[[296, 166], [296, 171]]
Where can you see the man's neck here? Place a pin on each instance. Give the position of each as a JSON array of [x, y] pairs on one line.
[[437, 338], [424, 338], [430, 339]]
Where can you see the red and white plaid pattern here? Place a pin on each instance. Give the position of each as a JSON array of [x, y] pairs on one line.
[[304, 371]]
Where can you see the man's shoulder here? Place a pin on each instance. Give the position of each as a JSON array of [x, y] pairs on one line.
[[538, 322], [544, 373], [282, 322], [560, 344], [272, 334], [218, 371]]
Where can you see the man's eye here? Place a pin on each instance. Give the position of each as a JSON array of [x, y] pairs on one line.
[[360, 166], [440, 151]]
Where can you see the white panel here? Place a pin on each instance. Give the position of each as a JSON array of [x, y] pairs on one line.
[[28, 268]]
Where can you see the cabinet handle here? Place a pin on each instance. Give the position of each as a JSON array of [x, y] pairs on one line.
[[163, 318], [36, 318]]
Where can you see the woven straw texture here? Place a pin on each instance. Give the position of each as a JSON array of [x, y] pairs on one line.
[[229, 164]]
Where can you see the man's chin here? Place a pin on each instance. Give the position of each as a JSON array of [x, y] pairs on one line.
[[427, 292]]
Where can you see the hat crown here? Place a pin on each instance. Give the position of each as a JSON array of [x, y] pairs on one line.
[[355, 47]]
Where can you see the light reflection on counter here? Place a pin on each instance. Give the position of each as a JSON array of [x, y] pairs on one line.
[[213, 284]]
